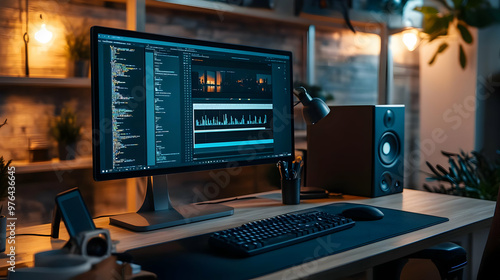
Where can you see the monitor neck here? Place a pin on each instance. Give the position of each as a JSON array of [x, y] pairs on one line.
[[157, 197]]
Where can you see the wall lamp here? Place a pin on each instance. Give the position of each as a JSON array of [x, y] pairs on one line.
[[411, 39], [314, 108], [43, 36], [409, 35], [26, 39]]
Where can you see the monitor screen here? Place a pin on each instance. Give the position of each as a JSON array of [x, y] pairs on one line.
[[163, 104]]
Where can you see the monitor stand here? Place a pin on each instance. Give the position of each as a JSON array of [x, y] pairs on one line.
[[157, 212]]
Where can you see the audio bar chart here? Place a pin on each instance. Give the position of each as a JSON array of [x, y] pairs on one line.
[[230, 120]]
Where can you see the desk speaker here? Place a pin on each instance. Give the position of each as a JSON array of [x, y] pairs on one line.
[[357, 150]]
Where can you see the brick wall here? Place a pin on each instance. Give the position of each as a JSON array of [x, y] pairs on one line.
[[347, 66]]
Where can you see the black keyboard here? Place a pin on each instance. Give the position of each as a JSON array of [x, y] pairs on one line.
[[277, 232]]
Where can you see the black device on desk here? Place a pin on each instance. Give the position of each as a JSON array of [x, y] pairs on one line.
[[363, 213], [164, 105], [85, 238], [73, 211]]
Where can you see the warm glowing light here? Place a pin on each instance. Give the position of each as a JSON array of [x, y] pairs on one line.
[[43, 35], [410, 39]]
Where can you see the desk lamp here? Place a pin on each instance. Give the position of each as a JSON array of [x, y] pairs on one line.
[[314, 110]]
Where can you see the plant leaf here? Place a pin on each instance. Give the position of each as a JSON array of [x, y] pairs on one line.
[[475, 3], [442, 169], [432, 168], [436, 25], [426, 10], [462, 58], [427, 188], [448, 154], [442, 189], [432, 179], [466, 36], [479, 13], [345, 14], [468, 178], [454, 168], [440, 49], [457, 4]]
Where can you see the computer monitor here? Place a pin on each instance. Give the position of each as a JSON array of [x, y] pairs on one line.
[[164, 105]]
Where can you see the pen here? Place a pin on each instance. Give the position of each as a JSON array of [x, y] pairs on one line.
[[290, 170]]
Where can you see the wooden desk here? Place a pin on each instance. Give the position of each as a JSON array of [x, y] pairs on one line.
[[467, 217]]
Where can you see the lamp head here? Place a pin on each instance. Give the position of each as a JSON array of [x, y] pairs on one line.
[[314, 108]]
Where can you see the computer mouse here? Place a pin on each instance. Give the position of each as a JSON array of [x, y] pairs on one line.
[[363, 213]]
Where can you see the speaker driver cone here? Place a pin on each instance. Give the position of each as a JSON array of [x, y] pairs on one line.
[[388, 148], [386, 182]]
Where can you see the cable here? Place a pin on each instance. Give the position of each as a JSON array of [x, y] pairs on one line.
[[227, 200], [104, 216], [48, 235], [33, 234]]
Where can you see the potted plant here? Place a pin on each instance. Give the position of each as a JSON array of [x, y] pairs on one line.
[[4, 187], [66, 131], [468, 175], [460, 16], [78, 51]]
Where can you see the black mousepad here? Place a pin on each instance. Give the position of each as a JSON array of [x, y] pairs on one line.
[[192, 258]]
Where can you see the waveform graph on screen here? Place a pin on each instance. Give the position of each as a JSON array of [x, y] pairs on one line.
[[222, 118], [232, 128]]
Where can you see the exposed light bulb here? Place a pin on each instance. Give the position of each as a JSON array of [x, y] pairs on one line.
[[410, 39], [43, 35]]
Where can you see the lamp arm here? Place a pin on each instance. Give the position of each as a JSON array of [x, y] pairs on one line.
[[302, 95]]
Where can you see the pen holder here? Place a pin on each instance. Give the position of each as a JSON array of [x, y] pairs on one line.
[[290, 191]]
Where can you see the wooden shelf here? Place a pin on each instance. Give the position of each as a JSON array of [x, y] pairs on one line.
[[359, 19], [53, 165], [45, 82]]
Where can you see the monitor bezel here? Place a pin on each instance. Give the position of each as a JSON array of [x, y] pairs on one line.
[[99, 176]]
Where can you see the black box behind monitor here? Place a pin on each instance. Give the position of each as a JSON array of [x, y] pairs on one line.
[[357, 150]]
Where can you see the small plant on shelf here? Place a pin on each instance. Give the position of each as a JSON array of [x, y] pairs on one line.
[[4, 173], [78, 50], [78, 45], [5, 169], [66, 131], [468, 175]]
